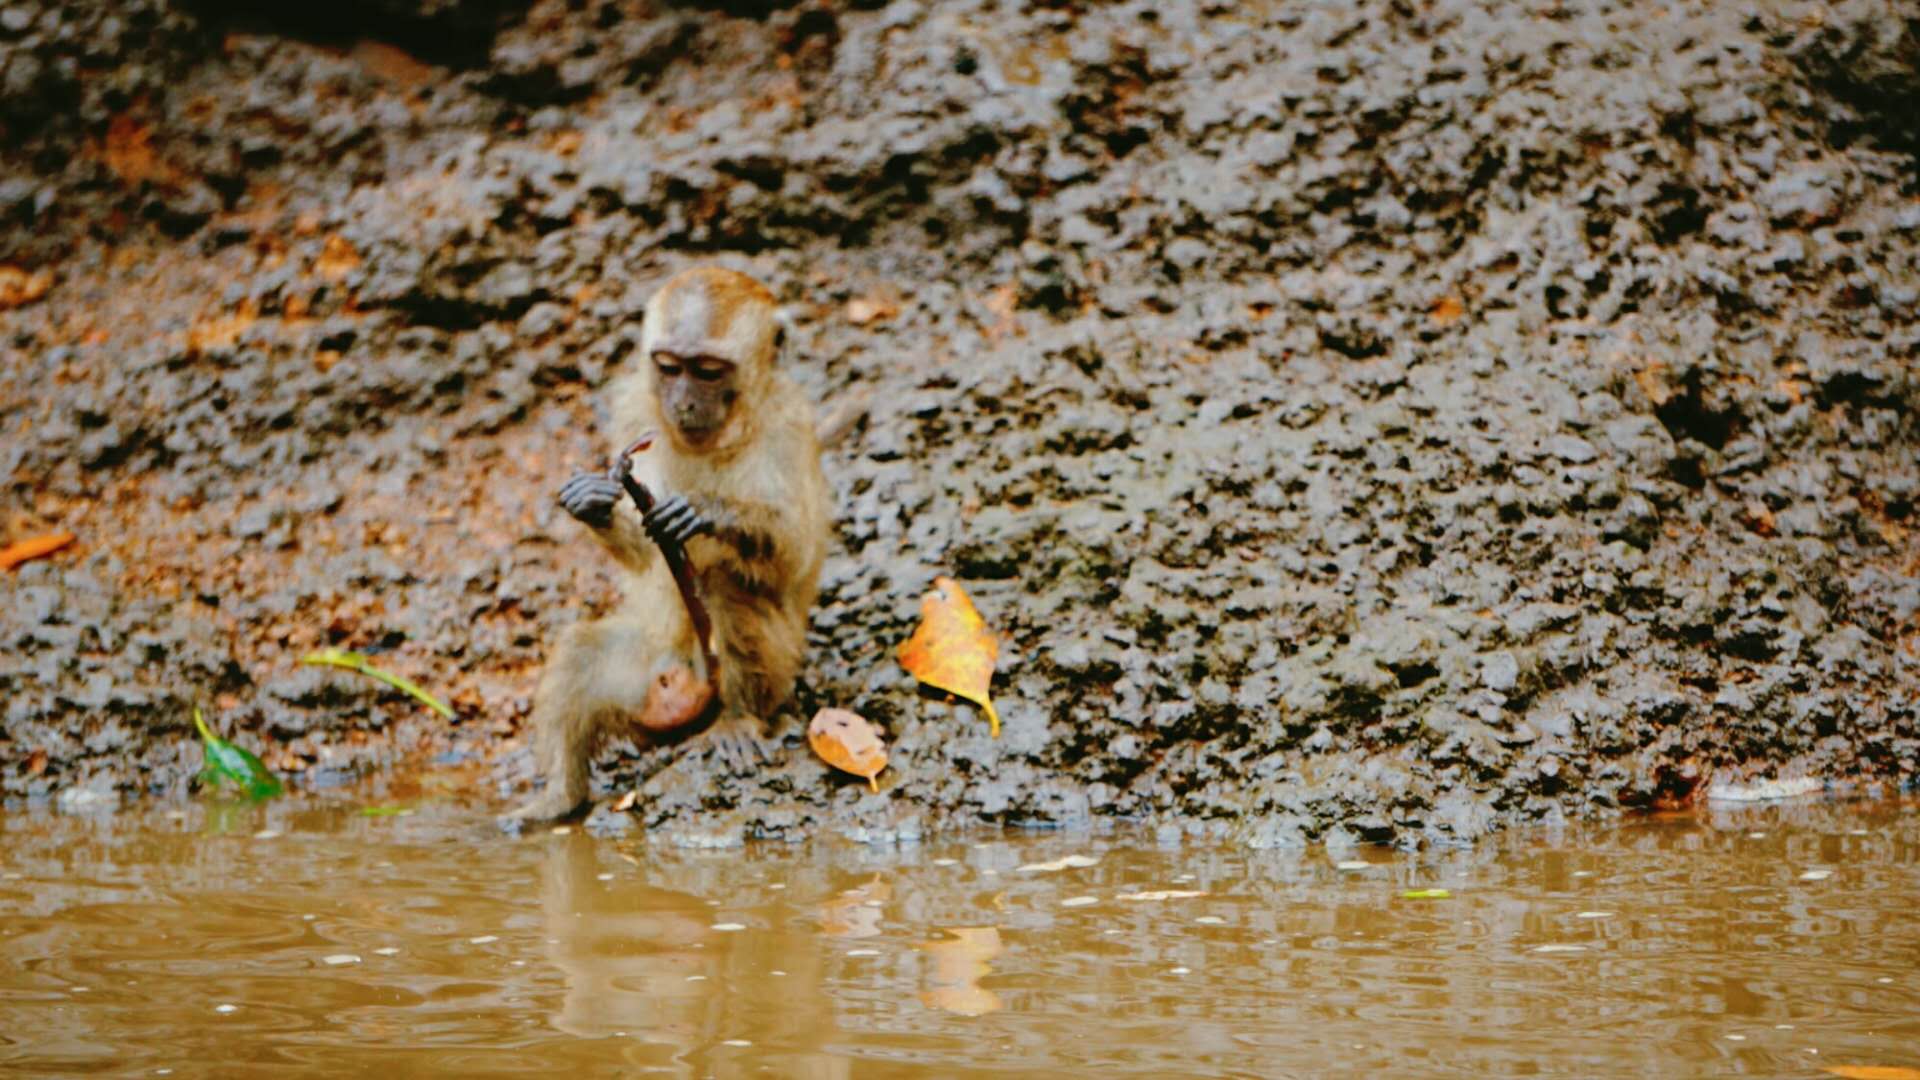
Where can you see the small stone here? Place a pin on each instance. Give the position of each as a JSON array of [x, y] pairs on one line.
[[226, 1008], [1351, 864], [1594, 915], [483, 939], [339, 959], [388, 951], [1079, 901], [1210, 920], [604, 877], [1500, 672], [729, 927], [1179, 971], [1816, 875], [863, 952], [265, 834], [735, 1042]]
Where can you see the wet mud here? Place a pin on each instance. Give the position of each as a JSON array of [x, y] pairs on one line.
[[1374, 421]]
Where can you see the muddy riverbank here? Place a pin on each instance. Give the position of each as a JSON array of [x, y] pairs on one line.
[[1374, 421]]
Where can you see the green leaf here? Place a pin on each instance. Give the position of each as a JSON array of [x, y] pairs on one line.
[[1425, 894], [225, 761], [389, 810], [353, 661]]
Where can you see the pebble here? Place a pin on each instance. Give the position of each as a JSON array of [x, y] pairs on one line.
[[776, 971], [339, 958], [945, 862], [1594, 915], [388, 951], [1816, 875], [483, 939], [226, 1008], [729, 927], [1179, 971], [1351, 864], [266, 834], [1079, 901], [735, 1042], [1210, 920], [863, 952]]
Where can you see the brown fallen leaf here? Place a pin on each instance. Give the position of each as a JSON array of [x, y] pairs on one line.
[[874, 307], [17, 287], [337, 258], [952, 649], [1874, 1072], [33, 547], [846, 741]]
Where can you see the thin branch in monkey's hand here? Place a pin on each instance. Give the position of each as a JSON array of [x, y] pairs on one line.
[[674, 554]]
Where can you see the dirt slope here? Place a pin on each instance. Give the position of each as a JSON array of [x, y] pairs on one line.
[[1377, 420]]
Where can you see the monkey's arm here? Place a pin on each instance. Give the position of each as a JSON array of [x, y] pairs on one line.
[[743, 537]]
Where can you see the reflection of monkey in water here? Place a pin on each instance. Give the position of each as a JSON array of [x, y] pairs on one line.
[[737, 472]]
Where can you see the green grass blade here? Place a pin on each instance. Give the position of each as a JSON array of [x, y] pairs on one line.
[[353, 661]]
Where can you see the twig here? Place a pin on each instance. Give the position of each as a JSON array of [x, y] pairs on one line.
[[674, 554]]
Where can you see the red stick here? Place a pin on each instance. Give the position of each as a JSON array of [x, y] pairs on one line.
[[674, 554]]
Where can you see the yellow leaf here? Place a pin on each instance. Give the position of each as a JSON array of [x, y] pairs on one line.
[[33, 547], [847, 742], [952, 649]]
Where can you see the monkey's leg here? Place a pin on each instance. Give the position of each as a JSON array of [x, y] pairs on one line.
[[598, 677]]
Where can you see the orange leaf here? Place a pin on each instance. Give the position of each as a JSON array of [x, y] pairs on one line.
[[18, 287], [32, 548], [1874, 1072], [1446, 311], [847, 742], [953, 650]]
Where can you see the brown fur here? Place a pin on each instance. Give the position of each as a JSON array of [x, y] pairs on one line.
[[758, 482]]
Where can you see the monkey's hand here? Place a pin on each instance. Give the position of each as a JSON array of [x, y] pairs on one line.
[[590, 498], [673, 520]]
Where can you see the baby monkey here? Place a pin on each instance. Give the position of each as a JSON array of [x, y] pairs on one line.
[[735, 467]]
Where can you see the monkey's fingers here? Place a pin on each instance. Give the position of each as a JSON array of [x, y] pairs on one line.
[[739, 744], [589, 497], [674, 521]]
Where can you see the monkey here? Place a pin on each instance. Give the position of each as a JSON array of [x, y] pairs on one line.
[[735, 468]]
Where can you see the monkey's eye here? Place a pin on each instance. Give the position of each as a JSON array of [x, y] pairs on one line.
[[666, 364], [710, 370]]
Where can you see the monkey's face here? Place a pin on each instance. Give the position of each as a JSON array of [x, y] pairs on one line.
[[697, 395]]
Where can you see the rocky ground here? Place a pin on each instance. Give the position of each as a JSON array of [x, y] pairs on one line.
[[1382, 420]]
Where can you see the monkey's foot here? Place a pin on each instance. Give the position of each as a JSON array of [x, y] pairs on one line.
[[741, 743], [552, 804]]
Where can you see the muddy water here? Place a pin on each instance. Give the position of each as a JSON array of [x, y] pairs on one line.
[[312, 938]]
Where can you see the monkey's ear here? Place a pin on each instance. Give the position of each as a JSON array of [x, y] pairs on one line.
[[782, 319]]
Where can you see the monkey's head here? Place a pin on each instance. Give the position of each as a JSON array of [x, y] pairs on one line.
[[709, 339]]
